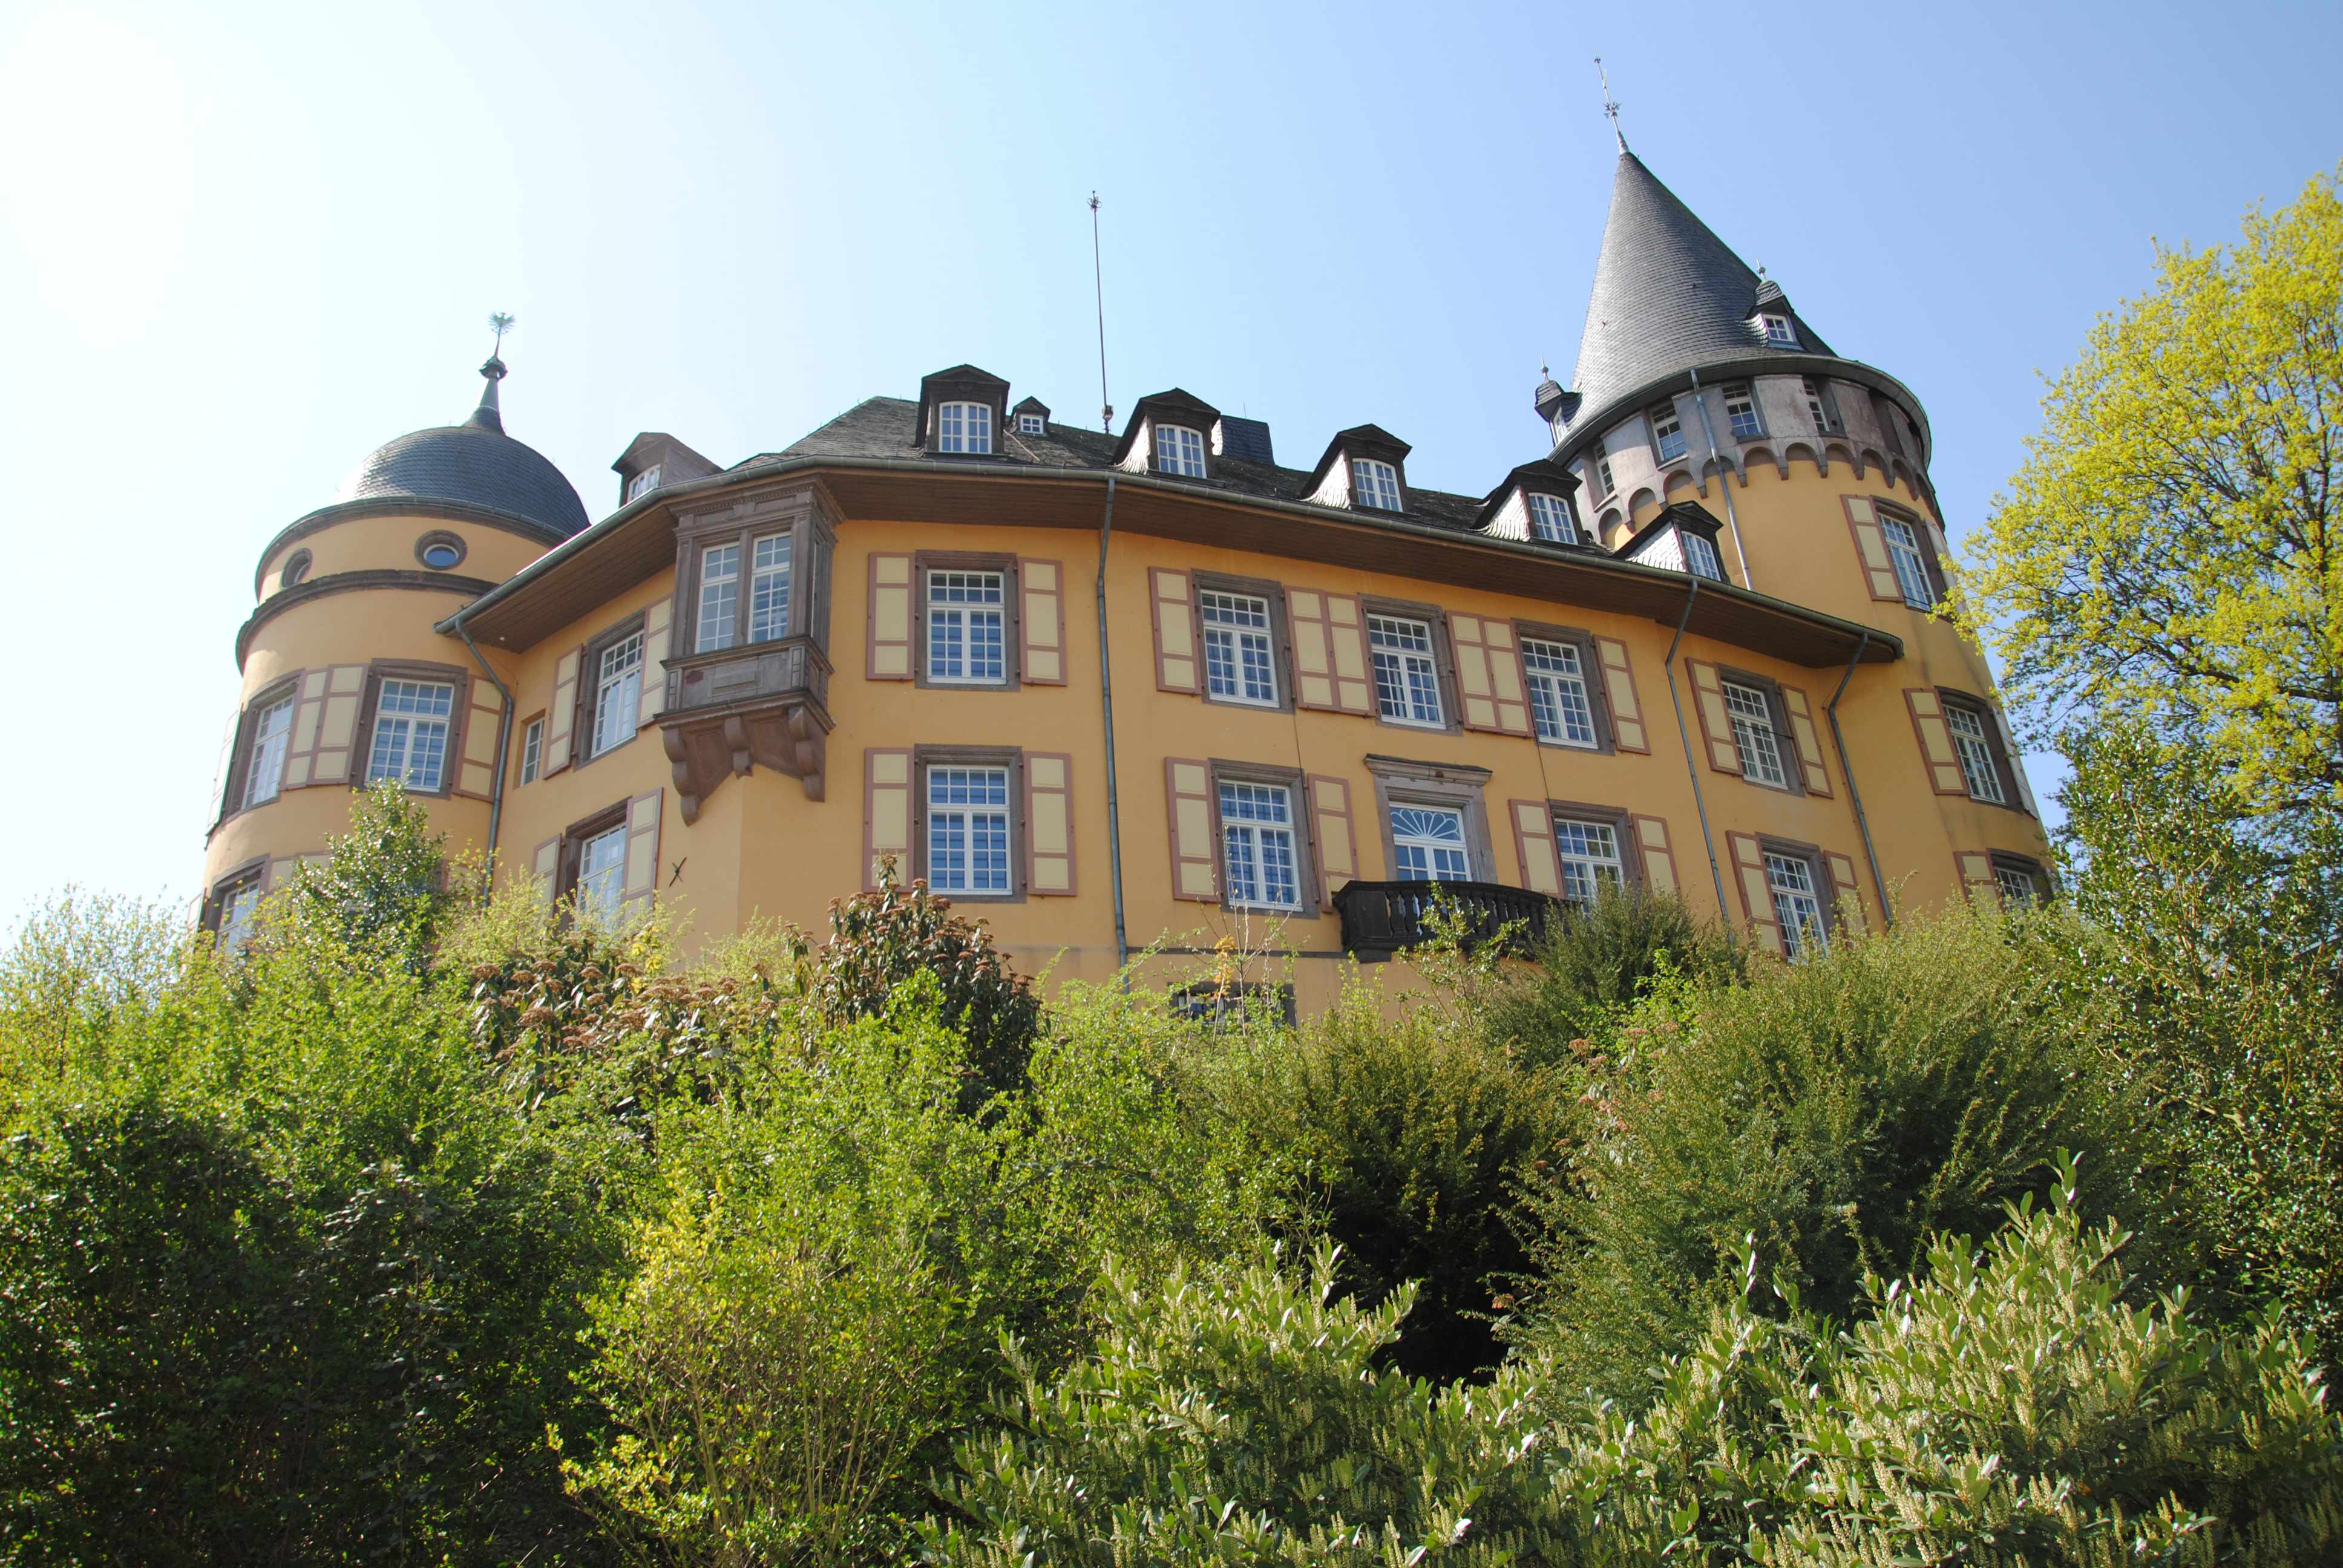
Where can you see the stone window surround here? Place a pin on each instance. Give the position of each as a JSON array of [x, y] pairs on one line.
[[1009, 757], [441, 537], [1618, 818], [1012, 617], [240, 759], [253, 871], [2026, 866], [1590, 666], [2005, 766], [1305, 838], [1280, 635], [813, 539], [295, 568], [1931, 563], [1786, 739], [590, 672], [573, 844], [1444, 660], [982, 387], [1827, 894], [458, 718], [1407, 781], [520, 747]]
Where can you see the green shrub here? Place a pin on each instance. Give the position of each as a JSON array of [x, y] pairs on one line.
[[1592, 966]]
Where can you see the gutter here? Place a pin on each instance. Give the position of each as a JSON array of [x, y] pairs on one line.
[[1684, 738], [1106, 707], [1724, 483], [504, 739], [1853, 795]]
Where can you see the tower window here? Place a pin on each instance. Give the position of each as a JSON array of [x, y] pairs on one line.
[[1550, 521], [964, 428], [266, 772], [296, 567], [1179, 451], [410, 734], [440, 550], [1374, 484], [1741, 413], [236, 906], [1780, 332], [644, 483], [1603, 474], [1978, 766], [1822, 406], [1667, 433], [1911, 566]]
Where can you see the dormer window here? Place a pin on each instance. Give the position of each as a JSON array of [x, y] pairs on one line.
[[644, 483], [1033, 424], [1741, 413], [1374, 484], [1179, 452], [1667, 433], [1780, 332], [964, 428], [1550, 521], [1701, 557]]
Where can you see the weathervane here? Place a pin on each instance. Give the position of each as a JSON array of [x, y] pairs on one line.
[[1610, 104], [503, 323]]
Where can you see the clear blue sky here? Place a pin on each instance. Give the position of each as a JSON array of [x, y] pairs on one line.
[[240, 246]]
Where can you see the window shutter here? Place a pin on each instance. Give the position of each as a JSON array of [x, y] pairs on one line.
[[1757, 895], [1847, 892], [1809, 742], [1943, 763], [1489, 676], [1171, 602], [1049, 821], [337, 723], [561, 717], [1716, 724], [1188, 798], [301, 745], [1659, 859], [1346, 637], [477, 774], [1533, 843], [656, 622], [1044, 585], [642, 854], [277, 874], [1313, 658], [2006, 754], [1619, 690], [1975, 869], [544, 865], [1337, 841], [1871, 549], [886, 813], [889, 654]]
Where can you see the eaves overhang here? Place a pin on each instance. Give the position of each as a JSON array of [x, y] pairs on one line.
[[1588, 426], [637, 543]]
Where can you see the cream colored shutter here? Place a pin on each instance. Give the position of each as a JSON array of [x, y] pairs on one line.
[[1756, 894], [337, 724], [1346, 638], [1809, 742], [308, 717], [1943, 763], [888, 657], [545, 866], [1313, 650], [1976, 867], [1171, 603], [561, 716], [1619, 686], [2016, 764], [1489, 675], [1716, 723], [1188, 802], [1043, 586], [1846, 893], [1533, 843], [483, 708], [1049, 823], [1337, 841], [656, 622], [886, 813], [642, 854], [1657, 855], [1871, 549]]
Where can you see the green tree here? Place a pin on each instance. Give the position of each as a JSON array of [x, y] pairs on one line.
[[2170, 546], [383, 885]]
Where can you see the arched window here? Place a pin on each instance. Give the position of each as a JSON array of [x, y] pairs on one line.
[[964, 428]]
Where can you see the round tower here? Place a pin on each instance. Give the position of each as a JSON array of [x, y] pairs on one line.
[[346, 679]]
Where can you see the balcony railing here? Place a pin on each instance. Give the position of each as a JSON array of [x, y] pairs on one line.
[[1379, 919]]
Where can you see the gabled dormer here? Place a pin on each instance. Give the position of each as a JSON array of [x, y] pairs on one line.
[[963, 413], [653, 460], [1777, 323], [1681, 537], [1536, 501], [1365, 466], [1170, 433], [1029, 417]]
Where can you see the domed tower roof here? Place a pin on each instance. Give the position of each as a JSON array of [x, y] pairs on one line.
[[473, 464]]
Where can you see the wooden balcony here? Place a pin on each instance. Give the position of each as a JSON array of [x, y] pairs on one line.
[[1379, 919], [738, 709]]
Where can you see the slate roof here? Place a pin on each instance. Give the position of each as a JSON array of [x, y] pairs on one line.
[[475, 463], [888, 427], [1668, 295]]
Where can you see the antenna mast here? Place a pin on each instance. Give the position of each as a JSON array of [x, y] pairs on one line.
[[1610, 104], [1097, 281]]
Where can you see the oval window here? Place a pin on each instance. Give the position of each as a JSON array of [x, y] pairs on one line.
[[439, 554], [295, 568]]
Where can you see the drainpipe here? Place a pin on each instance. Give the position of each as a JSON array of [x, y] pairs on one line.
[[1684, 736], [504, 738], [1106, 707], [1853, 795], [1724, 482]]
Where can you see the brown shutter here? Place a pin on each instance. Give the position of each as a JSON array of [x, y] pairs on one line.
[[1802, 736], [654, 668], [1936, 752], [476, 777], [888, 657], [887, 781], [1049, 821], [1043, 584], [1659, 859], [1871, 549], [337, 725], [1847, 892], [561, 716], [1975, 869], [301, 742], [545, 865], [1187, 801], [642, 854], [1533, 843], [1489, 675], [1172, 601], [1346, 639], [1716, 723], [2013, 771], [1619, 689], [1337, 841], [1757, 895], [1313, 650]]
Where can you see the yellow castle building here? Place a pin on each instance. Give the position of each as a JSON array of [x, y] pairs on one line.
[[1157, 688]]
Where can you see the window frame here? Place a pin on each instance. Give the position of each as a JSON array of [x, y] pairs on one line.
[[2037, 877], [441, 538], [1010, 757], [1822, 406], [1784, 741], [1408, 781], [1373, 467], [1033, 424], [1818, 879], [1280, 635], [528, 753], [1932, 567], [945, 407], [1618, 818], [1156, 430], [1590, 664], [240, 759], [458, 718], [812, 542], [1687, 538], [590, 687], [296, 569], [643, 483], [1602, 473], [1309, 890], [1012, 629], [287, 702], [1781, 332], [1746, 393], [251, 874], [1443, 662], [1216, 1012], [1571, 533], [1669, 412], [2004, 773], [571, 855]]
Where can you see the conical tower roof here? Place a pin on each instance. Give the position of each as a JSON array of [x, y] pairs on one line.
[[1668, 295]]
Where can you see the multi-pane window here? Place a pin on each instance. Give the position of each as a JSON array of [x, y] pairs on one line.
[[1407, 680], [1977, 763], [1667, 433], [1257, 846], [1819, 406], [1602, 473], [768, 588], [1701, 557], [603, 876], [1239, 666], [1797, 903], [617, 693], [1911, 566], [1550, 521], [265, 773], [1558, 697], [720, 596], [964, 428], [532, 750], [1179, 450], [1752, 713], [2018, 888], [1031, 425], [642, 484], [968, 830], [237, 906], [1589, 853], [967, 626], [410, 733], [1428, 844], [1779, 331], [1741, 412], [1374, 484]]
